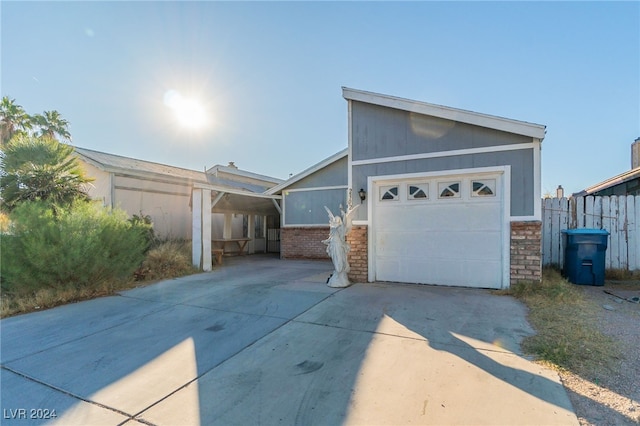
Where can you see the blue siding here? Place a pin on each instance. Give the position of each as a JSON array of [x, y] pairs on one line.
[[307, 207], [379, 132], [335, 174], [521, 162]]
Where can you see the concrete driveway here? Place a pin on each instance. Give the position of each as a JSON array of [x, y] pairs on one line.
[[265, 341]]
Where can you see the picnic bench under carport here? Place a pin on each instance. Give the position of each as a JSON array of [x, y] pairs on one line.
[[219, 247]]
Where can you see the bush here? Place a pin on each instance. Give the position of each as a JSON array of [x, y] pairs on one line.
[[167, 260], [146, 222], [82, 246]]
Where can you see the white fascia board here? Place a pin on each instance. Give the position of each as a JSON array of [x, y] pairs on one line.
[[452, 153], [335, 157], [306, 225], [463, 116], [235, 191], [318, 188], [438, 173], [349, 151]]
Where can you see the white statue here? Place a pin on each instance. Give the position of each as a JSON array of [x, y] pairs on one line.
[[337, 247]]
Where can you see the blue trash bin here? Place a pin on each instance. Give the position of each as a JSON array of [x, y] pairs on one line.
[[584, 251]]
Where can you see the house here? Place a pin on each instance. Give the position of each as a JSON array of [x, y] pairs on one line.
[[164, 193], [627, 183], [446, 196]]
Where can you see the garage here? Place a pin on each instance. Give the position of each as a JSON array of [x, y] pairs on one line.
[[445, 229], [445, 196]]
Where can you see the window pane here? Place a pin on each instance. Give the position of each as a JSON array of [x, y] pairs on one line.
[[449, 189], [418, 191], [485, 188], [447, 193], [389, 192]]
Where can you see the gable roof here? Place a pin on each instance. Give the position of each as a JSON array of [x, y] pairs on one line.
[[608, 183], [463, 116], [148, 169], [133, 166], [307, 172], [234, 172]]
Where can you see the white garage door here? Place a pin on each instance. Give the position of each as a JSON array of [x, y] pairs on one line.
[[446, 230]]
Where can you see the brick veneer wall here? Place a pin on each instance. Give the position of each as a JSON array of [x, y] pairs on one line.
[[306, 243], [526, 251], [303, 242], [358, 256]]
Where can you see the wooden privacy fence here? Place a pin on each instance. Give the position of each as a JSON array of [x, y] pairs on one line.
[[620, 215]]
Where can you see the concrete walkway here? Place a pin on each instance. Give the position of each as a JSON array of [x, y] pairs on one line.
[[265, 341]]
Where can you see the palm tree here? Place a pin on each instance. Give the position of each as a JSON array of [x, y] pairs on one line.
[[51, 124], [40, 168], [13, 119]]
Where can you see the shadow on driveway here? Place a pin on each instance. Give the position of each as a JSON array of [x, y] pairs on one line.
[[265, 341]]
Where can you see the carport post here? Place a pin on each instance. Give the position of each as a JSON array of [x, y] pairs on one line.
[[251, 225], [196, 227], [227, 230], [206, 230], [201, 229]]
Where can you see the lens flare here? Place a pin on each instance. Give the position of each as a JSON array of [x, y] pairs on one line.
[[189, 112]]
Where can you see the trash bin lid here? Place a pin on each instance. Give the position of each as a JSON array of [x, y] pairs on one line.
[[585, 231]]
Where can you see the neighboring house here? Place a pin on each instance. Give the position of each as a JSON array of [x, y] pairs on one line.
[[164, 193], [143, 188], [451, 196], [627, 183]]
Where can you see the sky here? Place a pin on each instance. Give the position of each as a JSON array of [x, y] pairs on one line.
[[268, 76]]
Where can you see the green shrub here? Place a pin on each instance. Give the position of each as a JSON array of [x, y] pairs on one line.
[[84, 245], [146, 222]]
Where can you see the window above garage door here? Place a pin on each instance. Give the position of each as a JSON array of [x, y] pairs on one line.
[[445, 189]]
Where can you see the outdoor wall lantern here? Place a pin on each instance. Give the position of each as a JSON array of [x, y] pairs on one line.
[[363, 195]]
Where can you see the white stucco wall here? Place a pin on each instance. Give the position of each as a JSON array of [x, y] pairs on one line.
[[100, 188]]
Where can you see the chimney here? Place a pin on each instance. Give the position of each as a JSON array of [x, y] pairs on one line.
[[635, 154], [232, 165]]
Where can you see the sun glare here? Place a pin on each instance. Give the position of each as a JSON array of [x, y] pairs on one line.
[[189, 112]]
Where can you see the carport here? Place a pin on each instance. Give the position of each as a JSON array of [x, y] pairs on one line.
[[207, 200]]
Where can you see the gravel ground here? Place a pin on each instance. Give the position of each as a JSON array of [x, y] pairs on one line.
[[614, 397]]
